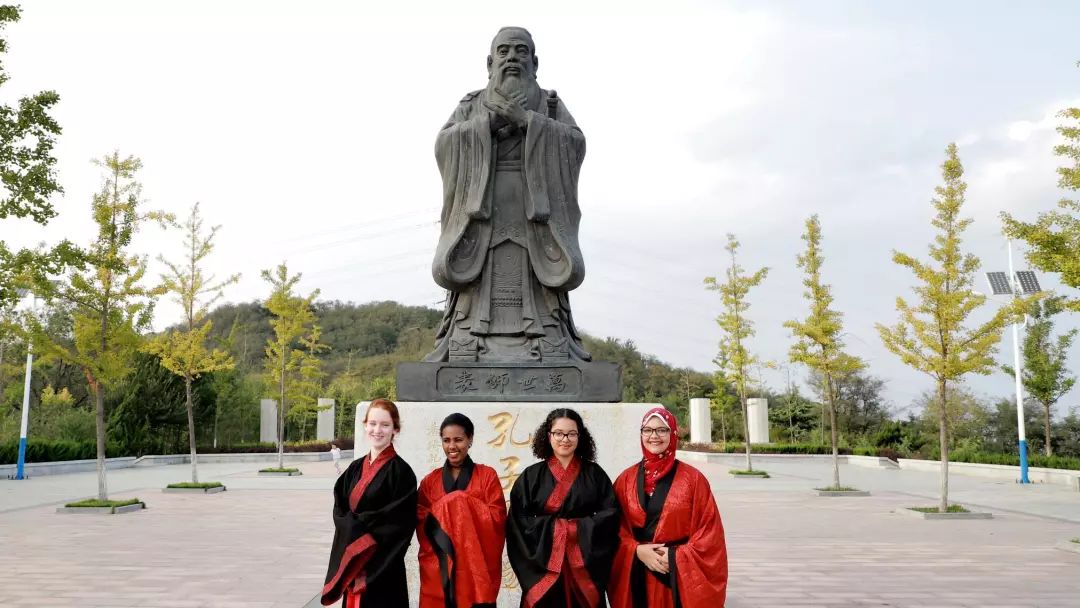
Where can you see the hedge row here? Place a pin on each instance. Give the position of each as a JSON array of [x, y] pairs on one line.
[[40, 450], [1034, 460]]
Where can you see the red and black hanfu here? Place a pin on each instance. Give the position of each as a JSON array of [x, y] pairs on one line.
[[562, 533], [374, 520], [461, 526], [681, 514]]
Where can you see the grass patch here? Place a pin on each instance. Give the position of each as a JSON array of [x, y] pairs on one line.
[[201, 485], [745, 473], [951, 509], [1076, 540], [282, 470], [838, 489], [93, 502]]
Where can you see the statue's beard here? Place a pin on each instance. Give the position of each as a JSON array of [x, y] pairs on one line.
[[511, 84]]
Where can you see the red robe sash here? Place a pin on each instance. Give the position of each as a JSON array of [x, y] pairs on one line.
[[565, 557], [691, 521], [472, 524]]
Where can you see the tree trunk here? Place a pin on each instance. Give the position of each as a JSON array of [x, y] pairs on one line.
[[723, 428], [216, 409], [191, 430], [746, 431], [1046, 431], [834, 435], [943, 438], [99, 401], [281, 417]]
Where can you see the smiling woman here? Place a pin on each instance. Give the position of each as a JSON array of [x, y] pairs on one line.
[[460, 525], [672, 552], [562, 531], [374, 519]]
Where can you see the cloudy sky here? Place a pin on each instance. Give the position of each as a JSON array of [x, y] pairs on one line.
[[308, 134]]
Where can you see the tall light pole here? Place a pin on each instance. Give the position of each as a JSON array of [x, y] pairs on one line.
[[1016, 284], [21, 466]]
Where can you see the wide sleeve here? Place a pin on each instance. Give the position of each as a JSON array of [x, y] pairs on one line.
[[529, 531], [463, 151], [701, 564], [554, 151], [598, 533], [619, 594], [423, 508]]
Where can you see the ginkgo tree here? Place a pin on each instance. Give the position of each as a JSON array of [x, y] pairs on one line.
[[933, 334], [735, 358], [184, 351], [819, 337]]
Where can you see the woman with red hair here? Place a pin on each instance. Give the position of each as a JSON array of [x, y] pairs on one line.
[[671, 552], [374, 520]]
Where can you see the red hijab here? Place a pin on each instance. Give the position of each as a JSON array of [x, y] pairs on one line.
[[658, 465]]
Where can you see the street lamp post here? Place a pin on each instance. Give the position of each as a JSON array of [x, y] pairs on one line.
[[1016, 284], [20, 469]]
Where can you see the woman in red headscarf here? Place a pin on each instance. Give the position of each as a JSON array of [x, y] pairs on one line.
[[671, 541]]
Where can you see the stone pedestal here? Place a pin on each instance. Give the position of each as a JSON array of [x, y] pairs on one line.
[[758, 410], [700, 421], [465, 382], [503, 441], [324, 426], [268, 421]]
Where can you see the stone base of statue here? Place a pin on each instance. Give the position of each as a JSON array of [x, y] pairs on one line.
[[563, 381], [503, 441]]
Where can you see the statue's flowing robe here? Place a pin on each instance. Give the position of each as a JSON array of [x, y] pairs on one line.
[[374, 520], [461, 526], [508, 251], [681, 513]]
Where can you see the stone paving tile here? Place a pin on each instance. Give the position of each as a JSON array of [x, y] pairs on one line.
[[263, 543]]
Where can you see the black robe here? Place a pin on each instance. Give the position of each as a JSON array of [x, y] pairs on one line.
[[561, 537], [373, 525]]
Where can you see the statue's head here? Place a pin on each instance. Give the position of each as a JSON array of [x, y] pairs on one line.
[[513, 56]]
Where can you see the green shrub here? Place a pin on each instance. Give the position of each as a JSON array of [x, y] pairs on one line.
[[42, 450], [1036, 460], [950, 509], [93, 502]]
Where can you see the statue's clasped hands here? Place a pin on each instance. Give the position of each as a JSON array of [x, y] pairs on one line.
[[511, 107]]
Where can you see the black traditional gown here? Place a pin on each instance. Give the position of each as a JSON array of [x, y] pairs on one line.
[[562, 533], [374, 520]]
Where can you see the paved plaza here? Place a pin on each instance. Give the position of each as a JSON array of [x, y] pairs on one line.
[[264, 542]]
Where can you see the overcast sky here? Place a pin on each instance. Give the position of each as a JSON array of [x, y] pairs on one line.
[[307, 131]]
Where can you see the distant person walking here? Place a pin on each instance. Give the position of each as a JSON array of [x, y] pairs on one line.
[[335, 453]]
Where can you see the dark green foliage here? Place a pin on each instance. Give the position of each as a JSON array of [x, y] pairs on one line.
[[42, 450], [28, 179], [192, 485], [147, 413], [646, 379]]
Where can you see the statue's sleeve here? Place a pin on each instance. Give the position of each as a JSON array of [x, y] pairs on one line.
[[554, 151], [463, 151]]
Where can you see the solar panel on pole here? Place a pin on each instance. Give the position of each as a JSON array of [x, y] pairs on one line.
[[1029, 283], [999, 283]]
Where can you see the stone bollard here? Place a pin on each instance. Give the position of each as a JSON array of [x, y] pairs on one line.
[[758, 410], [700, 421], [268, 421]]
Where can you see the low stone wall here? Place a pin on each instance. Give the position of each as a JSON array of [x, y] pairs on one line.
[[728, 458], [997, 471], [37, 469]]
